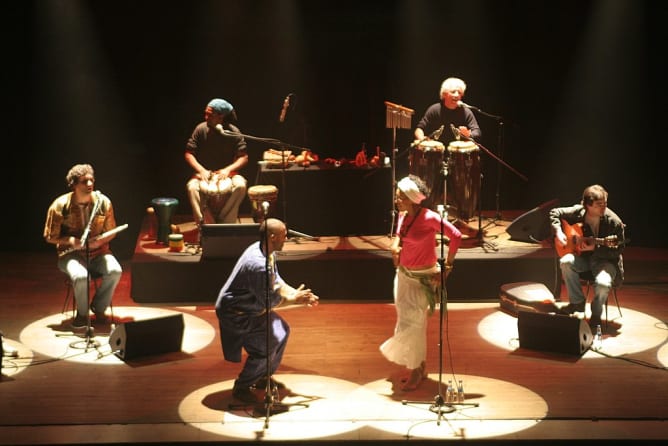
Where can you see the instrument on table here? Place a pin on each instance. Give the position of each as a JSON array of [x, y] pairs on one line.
[[576, 243], [464, 177], [116, 230]]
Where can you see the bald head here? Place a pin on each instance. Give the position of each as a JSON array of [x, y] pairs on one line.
[[275, 231]]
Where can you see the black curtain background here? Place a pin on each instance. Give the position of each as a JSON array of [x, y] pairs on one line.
[[122, 84]]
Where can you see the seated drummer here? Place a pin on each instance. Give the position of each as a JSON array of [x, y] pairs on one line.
[[217, 152], [447, 112]]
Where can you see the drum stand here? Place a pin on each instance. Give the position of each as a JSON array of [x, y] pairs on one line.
[[396, 116]]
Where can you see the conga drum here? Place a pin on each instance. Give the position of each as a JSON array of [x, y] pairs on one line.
[[464, 177], [257, 195], [164, 209], [426, 162]]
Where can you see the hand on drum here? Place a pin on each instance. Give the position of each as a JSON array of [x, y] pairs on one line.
[[464, 131]]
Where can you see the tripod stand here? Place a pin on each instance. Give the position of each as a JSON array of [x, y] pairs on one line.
[[441, 405], [396, 116], [89, 341]]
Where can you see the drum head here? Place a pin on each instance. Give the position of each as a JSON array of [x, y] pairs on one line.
[[427, 146], [462, 146]]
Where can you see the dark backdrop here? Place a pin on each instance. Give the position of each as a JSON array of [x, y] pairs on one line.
[[122, 84]]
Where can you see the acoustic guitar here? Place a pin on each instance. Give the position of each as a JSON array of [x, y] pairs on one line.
[[576, 243]]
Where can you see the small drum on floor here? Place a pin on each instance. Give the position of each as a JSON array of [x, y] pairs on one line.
[[257, 195], [164, 209], [464, 178], [426, 162]]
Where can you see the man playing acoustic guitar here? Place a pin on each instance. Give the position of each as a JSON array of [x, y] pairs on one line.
[[589, 237]]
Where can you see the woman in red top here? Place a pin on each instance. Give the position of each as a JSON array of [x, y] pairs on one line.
[[417, 277]]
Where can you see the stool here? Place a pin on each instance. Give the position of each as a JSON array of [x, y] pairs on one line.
[[257, 195], [69, 293], [587, 279], [164, 208]]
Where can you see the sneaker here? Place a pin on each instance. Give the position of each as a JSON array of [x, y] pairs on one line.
[[572, 308], [262, 384], [79, 321], [244, 394]]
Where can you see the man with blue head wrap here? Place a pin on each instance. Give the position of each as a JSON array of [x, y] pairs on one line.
[[216, 151]]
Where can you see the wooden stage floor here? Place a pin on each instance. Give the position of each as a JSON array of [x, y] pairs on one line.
[[55, 391]]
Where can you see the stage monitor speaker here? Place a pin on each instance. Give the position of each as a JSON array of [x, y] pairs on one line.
[[553, 333], [147, 337], [532, 226], [227, 241]]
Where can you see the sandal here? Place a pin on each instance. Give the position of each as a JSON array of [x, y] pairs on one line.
[[413, 381]]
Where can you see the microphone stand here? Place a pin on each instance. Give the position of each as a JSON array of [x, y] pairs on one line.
[[89, 341], [283, 146], [271, 394], [500, 148], [440, 405]]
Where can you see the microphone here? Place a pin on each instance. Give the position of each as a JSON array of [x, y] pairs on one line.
[[437, 133], [220, 129], [461, 104], [265, 208], [286, 104]]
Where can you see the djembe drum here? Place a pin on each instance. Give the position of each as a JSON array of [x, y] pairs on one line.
[[257, 195], [164, 209], [214, 195]]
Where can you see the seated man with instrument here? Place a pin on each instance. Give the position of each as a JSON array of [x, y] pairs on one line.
[[81, 224], [216, 151], [589, 237]]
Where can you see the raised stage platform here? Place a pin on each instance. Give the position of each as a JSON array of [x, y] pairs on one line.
[[342, 267]]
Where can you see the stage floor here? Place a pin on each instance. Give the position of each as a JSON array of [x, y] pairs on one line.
[[340, 387], [350, 267]]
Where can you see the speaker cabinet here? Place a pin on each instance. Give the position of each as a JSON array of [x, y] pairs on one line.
[[553, 333], [147, 337], [532, 226]]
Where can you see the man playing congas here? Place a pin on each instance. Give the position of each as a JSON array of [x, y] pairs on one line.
[[216, 142], [447, 112], [450, 113]]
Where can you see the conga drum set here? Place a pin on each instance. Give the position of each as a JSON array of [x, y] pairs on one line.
[[452, 175]]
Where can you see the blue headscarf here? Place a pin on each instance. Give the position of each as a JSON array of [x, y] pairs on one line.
[[221, 106]]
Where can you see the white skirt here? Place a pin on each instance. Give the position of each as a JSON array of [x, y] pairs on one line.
[[408, 346]]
